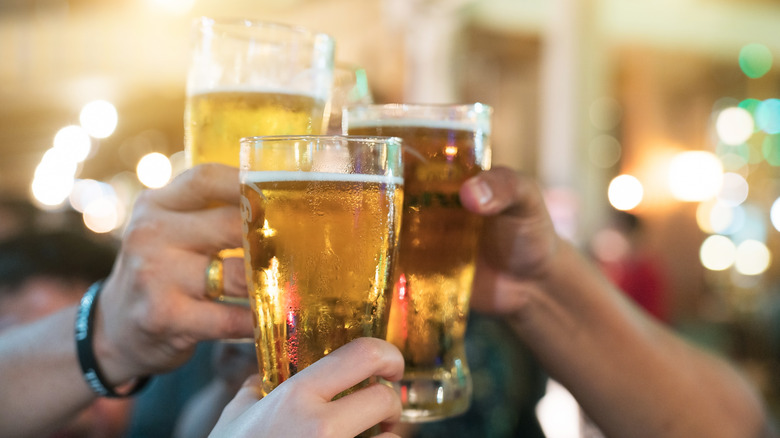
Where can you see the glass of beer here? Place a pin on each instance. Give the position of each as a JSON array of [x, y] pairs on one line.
[[321, 216], [443, 146], [251, 78]]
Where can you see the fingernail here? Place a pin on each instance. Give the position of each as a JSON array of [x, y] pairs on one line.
[[482, 191]]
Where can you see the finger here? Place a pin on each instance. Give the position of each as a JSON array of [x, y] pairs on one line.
[[501, 190], [365, 408], [234, 277], [187, 270], [200, 187], [351, 364], [206, 320], [206, 231], [203, 231]]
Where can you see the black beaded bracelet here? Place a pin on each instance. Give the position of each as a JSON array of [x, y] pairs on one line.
[[85, 321]]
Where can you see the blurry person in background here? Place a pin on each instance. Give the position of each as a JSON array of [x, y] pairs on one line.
[[623, 254], [42, 272]]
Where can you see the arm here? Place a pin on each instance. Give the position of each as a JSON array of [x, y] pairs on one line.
[[152, 310], [632, 376]]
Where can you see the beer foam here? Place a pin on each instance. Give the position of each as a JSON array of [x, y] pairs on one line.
[[258, 176], [250, 89], [456, 125]]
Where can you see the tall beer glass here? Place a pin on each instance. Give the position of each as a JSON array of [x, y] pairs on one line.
[[251, 78], [443, 146], [321, 216]]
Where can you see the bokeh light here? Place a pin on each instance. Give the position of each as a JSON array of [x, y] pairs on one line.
[[154, 170], [750, 105], [750, 223], [625, 192], [604, 151], [54, 177], [73, 141], [99, 118], [734, 190], [771, 149], [768, 116], [774, 214], [87, 190], [695, 176], [733, 162], [714, 216], [734, 125], [605, 113], [103, 215], [717, 253], [753, 258], [755, 60]]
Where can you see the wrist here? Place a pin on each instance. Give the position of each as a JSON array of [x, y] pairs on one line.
[[89, 349]]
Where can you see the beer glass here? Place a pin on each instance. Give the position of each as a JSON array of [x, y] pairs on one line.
[[443, 146], [251, 78], [321, 216]]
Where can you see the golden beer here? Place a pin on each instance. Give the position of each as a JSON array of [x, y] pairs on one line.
[[319, 248], [215, 121], [437, 256]]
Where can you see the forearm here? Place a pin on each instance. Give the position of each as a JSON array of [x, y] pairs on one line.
[[632, 376], [42, 385]]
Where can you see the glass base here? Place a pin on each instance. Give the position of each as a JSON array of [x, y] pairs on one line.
[[427, 399]]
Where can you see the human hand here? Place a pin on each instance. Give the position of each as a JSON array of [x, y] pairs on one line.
[[519, 242], [153, 309], [303, 405]]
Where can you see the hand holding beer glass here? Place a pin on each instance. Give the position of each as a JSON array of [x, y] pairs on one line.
[[443, 146], [321, 216]]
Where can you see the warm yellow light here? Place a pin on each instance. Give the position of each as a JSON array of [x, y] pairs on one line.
[[85, 191], [154, 170], [734, 125], [713, 216], [695, 176], [54, 177], [174, 7], [74, 142], [717, 253], [102, 215], [99, 118], [625, 192], [753, 258], [51, 189]]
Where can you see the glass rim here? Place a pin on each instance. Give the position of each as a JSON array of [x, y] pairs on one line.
[[470, 116], [310, 137], [477, 106], [205, 22]]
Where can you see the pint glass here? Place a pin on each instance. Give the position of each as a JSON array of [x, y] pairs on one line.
[[443, 146], [321, 216], [251, 78]]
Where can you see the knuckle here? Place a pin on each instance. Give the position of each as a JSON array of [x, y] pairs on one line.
[[383, 395], [324, 428], [371, 349]]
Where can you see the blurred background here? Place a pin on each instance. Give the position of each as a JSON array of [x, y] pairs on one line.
[[654, 125]]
